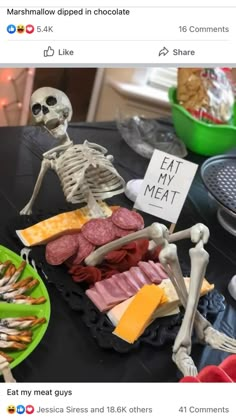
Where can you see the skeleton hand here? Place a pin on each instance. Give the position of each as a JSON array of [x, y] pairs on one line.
[[26, 210], [199, 232]]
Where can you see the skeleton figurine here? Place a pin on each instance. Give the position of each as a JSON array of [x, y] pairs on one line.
[[85, 173], [159, 236]]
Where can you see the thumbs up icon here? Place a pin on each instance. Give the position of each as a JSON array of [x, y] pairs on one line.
[[49, 52]]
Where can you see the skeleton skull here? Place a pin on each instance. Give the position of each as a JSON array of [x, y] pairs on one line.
[[52, 108]]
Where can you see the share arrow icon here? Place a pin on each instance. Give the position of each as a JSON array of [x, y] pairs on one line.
[[163, 51]]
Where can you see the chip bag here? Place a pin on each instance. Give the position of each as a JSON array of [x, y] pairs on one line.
[[207, 93]]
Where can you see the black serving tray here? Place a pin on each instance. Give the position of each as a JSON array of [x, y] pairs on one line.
[[161, 332]]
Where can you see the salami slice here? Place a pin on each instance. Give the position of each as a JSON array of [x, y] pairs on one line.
[[122, 232], [60, 249], [127, 219], [84, 250], [99, 231]]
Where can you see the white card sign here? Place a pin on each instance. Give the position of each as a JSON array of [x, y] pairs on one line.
[[165, 186]]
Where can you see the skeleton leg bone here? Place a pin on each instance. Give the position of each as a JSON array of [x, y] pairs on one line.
[[204, 330], [199, 260], [46, 164]]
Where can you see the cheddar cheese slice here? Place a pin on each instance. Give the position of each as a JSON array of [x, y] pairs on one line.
[[138, 314], [169, 308], [58, 225]]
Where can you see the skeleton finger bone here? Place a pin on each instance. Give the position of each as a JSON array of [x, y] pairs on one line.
[[156, 231]]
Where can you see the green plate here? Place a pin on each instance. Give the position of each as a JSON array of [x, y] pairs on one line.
[[11, 310]]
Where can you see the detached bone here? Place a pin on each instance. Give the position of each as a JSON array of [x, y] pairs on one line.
[[85, 172]]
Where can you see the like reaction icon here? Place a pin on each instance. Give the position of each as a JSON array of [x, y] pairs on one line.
[[20, 409], [11, 29], [49, 52]]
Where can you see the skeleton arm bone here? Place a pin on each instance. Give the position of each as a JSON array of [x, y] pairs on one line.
[[195, 233], [156, 231], [46, 164]]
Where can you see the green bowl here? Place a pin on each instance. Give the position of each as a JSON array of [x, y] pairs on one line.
[[11, 310], [198, 136]]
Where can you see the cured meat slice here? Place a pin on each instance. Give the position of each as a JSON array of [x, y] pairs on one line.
[[124, 285], [97, 299], [84, 250], [89, 274], [159, 269], [120, 233], [131, 281], [140, 276], [61, 249], [115, 257], [127, 219], [150, 272], [111, 292], [99, 231]]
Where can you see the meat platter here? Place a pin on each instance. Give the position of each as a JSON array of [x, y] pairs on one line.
[[160, 332]]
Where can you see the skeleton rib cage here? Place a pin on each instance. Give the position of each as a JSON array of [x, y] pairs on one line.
[[83, 170]]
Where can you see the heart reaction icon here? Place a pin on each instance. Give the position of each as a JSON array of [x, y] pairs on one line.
[[29, 409], [29, 29]]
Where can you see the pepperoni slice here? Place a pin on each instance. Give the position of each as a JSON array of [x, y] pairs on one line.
[[87, 274], [99, 231], [127, 219]]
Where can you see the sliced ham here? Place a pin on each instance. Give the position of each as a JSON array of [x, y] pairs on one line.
[[98, 300], [131, 281], [139, 276], [121, 279], [121, 286], [111, 292], [159, 269], [150, 272]]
